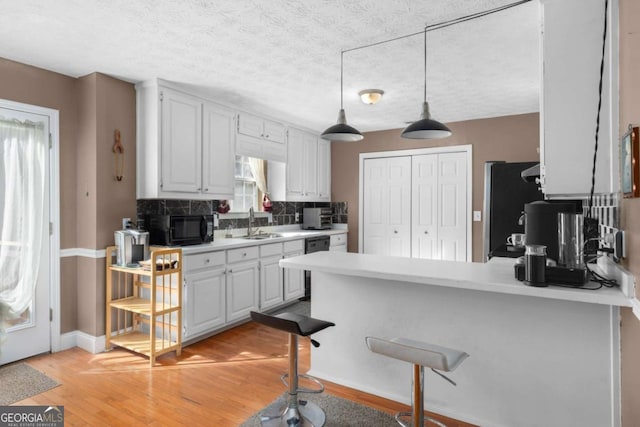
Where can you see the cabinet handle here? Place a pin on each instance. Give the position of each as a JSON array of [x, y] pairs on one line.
[[199, 188], [426, 232], [207, 261], [244, 254], [206, 189], [266, 136], [230, 271], [395, 231]]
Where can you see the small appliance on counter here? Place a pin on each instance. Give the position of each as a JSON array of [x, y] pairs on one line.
[[316, 218], [558, 229], [133, 247], [179, 230]]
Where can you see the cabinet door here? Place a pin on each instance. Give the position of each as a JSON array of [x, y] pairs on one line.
[[324, 170], [205, 301], [218, 151], [250, 125], [571, 55], [274, 131], [242, 290], [387, 206], [270, 282], [293, 280], [181, 141], [295, 165], [310, 164]]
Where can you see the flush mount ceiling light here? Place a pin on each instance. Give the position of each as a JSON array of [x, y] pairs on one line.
[[426, 127], [371, 96], [341, 131]]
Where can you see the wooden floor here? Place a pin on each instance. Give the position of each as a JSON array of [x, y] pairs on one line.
[[220, 381]]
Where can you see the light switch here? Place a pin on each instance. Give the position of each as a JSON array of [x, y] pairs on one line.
[[477, 216]]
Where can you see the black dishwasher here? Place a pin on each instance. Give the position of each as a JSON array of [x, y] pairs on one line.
[[311, 245]]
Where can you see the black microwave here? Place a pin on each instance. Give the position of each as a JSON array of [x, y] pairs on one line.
[[179, 230]]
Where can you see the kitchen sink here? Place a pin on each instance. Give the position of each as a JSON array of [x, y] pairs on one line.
[[262, 236]]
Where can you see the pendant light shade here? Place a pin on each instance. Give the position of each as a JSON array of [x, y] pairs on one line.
[[426, 127], [341, 131]]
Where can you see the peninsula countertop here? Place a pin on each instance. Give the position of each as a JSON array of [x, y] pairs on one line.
[[494, 276]]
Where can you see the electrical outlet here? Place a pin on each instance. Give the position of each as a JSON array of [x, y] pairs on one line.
[[126, 223], [297, 217], [477, 216]]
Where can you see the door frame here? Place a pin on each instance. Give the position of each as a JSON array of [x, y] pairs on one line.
[[467, 148], [55, 341]]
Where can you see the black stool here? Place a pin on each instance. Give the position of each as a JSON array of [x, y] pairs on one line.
[[294, 412]]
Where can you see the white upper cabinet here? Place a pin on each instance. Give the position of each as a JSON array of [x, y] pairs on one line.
[[218, 154], [324, 170], [185, 145], [571, 55], [308, 167], [261, 138]]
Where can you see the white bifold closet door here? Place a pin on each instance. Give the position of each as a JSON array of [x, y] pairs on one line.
[[387, 206], [416, 206], [439, 208]]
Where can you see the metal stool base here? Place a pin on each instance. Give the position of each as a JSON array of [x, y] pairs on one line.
[[427, 420], [306, 414]]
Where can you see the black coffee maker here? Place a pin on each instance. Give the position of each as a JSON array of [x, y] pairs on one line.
[[541, 224]]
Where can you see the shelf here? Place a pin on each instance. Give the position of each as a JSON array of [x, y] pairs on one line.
[[131, 314], [140, 342], [143, 306]]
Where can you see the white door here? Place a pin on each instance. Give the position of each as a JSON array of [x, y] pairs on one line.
[[439, 206], [29, 334], [387, 206], [424, 208], [452, 206], [181, 142]]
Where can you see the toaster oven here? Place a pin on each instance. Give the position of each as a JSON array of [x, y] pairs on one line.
[[316, 218]]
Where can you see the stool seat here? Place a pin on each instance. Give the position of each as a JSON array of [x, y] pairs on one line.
[[419, 353], [292, 323]]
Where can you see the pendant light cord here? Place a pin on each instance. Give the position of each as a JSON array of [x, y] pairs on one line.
[[425, 63], [341, 73], [595, 150]]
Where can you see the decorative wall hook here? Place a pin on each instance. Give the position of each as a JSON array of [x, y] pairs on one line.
[[118, 157]]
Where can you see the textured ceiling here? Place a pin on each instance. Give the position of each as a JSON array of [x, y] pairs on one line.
[[282, 57]]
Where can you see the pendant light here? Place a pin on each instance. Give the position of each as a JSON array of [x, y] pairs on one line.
[[341, 131], [426, 127]]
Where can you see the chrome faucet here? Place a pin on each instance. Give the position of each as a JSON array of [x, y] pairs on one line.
[[251, 219]]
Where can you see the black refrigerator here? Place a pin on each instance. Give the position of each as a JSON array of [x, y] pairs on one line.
[[505, 194]]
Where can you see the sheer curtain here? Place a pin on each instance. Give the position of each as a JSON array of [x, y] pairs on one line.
[[257, 169], [23, 156]]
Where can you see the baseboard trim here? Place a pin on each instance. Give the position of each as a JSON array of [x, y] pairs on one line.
[[83, 340], [83, 252]]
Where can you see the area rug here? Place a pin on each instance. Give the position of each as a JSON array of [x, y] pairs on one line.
[[301, 307], [339, 412], [20, 381]]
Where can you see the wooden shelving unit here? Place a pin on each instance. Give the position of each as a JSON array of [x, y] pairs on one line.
[[144, 312]]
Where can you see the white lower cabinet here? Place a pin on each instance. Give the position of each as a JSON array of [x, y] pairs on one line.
[[243, 281], [204, 296], [271, 291], [338, 242], [293, 279]]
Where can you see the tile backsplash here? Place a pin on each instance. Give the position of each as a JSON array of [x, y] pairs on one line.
[[284, 213]]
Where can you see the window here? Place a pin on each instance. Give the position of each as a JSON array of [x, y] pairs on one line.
[[246, 190]]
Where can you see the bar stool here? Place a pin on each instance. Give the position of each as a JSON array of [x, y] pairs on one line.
[[294, 412], [420, 354]]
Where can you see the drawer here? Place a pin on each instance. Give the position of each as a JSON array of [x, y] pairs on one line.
[[204, 260], [272, 249], [338, 239], [242, 254], [294, 246]]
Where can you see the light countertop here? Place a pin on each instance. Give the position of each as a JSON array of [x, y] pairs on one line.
[[494, 276], [223, 243]]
